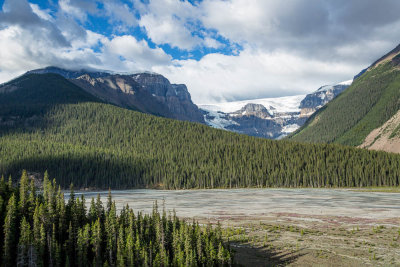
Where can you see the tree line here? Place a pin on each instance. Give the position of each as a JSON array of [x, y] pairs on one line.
[[40, 228]]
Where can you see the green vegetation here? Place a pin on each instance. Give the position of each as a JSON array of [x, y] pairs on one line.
[[97, 145], [43, 230], [367, 104]]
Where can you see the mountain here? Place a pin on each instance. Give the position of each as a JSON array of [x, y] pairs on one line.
[[50, 123], [146, 92], [272, 118], [316, 100], [365, 114]]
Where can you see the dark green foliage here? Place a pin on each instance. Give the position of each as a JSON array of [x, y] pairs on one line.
[[56, 235], [100, 145], [367, 104]]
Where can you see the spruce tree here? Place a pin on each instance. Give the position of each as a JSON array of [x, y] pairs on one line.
[[10, 232]]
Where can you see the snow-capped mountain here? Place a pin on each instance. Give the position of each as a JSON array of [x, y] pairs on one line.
[[271, 118], [314, 101]]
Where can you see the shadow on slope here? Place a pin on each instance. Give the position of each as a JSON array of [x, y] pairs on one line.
[[258, 256], [100, 171], [25, 101]]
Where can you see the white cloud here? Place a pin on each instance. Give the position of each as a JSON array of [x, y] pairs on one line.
[[43, 14], [67, 7], [120, 15], [169, 30], [212, 43], [286, 47], [137, 55], [254, 74]]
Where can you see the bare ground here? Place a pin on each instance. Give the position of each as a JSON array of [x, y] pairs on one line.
[[380, 138], [292, 239]]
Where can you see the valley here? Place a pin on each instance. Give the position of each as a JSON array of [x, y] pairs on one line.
[[295, 227], [193, 133]]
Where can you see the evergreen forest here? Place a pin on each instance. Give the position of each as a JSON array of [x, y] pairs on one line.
[[48, 123], [40, 228]]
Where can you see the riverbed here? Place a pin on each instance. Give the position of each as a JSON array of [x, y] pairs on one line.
[[259, 202]]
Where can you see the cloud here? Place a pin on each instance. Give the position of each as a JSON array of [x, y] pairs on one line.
[[222, 49], [19, 13], [254, 74], [315, 29], [120, 15], [31, 38], [78, 9], [165, 22], [136, 55]]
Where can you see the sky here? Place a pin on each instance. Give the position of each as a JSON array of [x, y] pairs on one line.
[[223, 50]]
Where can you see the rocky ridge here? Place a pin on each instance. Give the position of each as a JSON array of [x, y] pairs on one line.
[[146, 92]]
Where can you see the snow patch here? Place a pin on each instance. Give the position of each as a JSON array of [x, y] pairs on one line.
[[273, 105], [349, 82], [219, 120], [290, 128]]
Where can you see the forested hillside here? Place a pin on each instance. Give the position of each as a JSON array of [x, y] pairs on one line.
[[367, 104], [92, 144], [42, 229]]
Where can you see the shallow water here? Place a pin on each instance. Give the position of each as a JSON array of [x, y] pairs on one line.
[[259, 202]]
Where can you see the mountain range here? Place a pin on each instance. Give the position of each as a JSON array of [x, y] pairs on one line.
[[152, 93], [366, 114], [272, 118], [48, 122]]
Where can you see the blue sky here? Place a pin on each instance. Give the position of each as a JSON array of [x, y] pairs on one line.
[[223, 50], [100, 23]]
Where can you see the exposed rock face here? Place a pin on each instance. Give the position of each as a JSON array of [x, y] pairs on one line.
[[123, 91], [256, 110], [314, 101], [146, 92], [175, 96]]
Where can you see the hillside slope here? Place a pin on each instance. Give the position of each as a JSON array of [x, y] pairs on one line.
[[97, 145], [367, 104]]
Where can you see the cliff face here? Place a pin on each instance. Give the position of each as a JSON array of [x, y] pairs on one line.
[[175, 96], [123, 91]]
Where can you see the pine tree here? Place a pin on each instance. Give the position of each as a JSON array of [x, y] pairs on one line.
[[83, 244], [130, 248], [121, 251], [10, 232], [24, 193], [96, 240], [26, 253], [111, 232]]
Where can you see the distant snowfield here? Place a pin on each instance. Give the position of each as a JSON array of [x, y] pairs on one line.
[[277, 104]]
